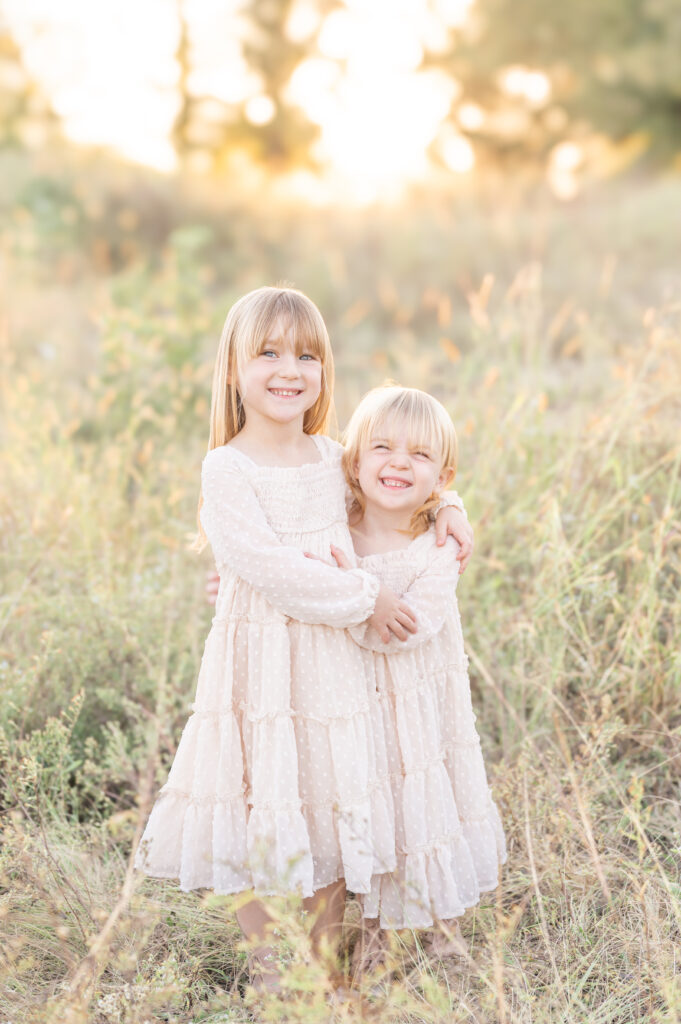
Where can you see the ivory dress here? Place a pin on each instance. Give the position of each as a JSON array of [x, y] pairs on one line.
[[450, 839], [279, 781]]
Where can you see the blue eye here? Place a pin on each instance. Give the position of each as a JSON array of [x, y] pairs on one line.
[[306, 355], [268, 352]]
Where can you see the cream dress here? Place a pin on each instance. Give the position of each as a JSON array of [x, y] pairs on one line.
[[449, 836], [279, 781]]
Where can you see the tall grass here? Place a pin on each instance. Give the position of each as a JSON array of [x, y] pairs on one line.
[[554, 337]]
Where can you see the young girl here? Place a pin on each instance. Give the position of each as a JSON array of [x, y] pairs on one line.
[[279, 782], [400, 453]]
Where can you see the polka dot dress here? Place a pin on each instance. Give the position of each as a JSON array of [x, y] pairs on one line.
[[280, 778], [449, 836]]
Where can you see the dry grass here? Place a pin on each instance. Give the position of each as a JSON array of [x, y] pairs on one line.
[[554, 336]]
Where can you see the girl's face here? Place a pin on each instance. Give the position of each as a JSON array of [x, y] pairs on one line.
[[396, 474], [279, 384]]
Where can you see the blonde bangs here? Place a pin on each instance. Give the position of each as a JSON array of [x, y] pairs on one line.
[[426, 422], [296, 312]]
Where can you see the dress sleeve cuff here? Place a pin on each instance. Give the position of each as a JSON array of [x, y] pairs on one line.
[[448, 499], [370, 587]]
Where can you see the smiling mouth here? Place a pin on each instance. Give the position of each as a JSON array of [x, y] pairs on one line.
[[285, 392], [394, 484]]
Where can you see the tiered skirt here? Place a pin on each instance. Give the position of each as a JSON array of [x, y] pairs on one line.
[[307, 759]]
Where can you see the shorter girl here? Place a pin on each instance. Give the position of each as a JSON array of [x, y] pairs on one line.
[[400, 454]]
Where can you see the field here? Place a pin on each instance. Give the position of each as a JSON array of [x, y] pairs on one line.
[[553, 335]]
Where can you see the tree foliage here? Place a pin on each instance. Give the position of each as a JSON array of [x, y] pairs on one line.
[[613, 65]]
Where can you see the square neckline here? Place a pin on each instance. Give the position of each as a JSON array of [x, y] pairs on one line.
[[302, 465]]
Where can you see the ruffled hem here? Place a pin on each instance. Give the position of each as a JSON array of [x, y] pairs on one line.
[[211, 843], [218, 825], [441, 879]]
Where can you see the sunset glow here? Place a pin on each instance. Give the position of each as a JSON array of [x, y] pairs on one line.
[[377, 112]]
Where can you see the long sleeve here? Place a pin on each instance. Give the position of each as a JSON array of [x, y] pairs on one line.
[[429, 596], [451, 498], [243, 541]]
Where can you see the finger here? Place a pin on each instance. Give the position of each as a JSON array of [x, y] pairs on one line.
[[465, 548], [337, 556], [440, 530], [404, 609], [341, 557], [408, 623], [385, 635], [465, 561], [397, 629]]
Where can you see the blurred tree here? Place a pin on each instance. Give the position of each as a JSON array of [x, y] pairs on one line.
[[26, 117], [612, 66], [279, 133], [273, 131]]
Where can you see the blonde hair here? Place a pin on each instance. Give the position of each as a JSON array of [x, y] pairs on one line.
[[427, 423], [246, 327]]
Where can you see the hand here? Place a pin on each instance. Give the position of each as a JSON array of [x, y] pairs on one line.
[[342, 560], [391, 615], [212, 586], [451, 520]]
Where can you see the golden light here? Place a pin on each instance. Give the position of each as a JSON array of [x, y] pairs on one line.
[[303, 21], [457, 152], [379, 115], [112, 75], [564, 162], [454, 12], [260, 110], [470, 116], [311, 87], [529, 84], [377, 131], [566, 156]]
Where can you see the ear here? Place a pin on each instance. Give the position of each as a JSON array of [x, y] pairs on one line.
[[445, 478]]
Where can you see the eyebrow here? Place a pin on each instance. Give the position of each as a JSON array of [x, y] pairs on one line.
[[387, 440]]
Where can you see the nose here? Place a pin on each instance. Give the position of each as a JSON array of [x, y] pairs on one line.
[[288, 365], [399, 458]]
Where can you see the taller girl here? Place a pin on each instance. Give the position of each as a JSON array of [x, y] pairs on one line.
[[279, 782]]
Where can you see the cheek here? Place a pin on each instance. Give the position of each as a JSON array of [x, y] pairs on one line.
[[363, 472], [427, 478], [313, 374]]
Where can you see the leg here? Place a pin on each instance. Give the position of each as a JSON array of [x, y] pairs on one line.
[[370, 948], [256, 924], [328, 906], [446, 940]]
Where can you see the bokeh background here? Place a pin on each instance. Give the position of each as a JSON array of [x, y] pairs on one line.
[[483, 198]]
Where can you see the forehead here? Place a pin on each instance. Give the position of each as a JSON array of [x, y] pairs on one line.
[[281, 331], [398, 427]]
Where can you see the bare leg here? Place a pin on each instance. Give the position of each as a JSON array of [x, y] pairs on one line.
[[370, 948], [327, 905], [447, 941], [256, 924]]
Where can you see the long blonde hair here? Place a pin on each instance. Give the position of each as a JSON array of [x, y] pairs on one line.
[[427, 423], [247, 325]]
